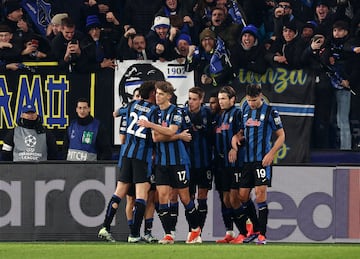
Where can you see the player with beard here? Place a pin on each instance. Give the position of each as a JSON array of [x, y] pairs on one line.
[[230, 159]]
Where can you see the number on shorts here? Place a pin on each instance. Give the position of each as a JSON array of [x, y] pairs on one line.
[[181, 175], [237, 176], [261, 173]]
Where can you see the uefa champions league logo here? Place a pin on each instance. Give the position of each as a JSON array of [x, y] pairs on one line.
[[30, 141]]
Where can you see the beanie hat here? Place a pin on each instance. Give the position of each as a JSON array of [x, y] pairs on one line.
[[184, 37], [5, 28], [290, 25], [310, 24], [58, 17], [161, 21], [250, 29], [207, 33], [92, 21], [11, 6], [323, 2], [340, 24]]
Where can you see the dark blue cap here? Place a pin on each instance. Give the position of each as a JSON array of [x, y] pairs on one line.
[[28, 108]]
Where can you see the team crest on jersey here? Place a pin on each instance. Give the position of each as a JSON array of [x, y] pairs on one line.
[[231, 119], [262, 117], [277, 120]]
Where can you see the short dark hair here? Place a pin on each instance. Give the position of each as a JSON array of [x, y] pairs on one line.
[[146, 88], [253, 90], [214, 94], [83, 100], [197, 90], [67, 22]]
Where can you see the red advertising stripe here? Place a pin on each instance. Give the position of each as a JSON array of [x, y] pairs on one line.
[[354, 204]]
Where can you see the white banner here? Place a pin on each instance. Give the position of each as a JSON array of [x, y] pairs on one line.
[[131, 73]]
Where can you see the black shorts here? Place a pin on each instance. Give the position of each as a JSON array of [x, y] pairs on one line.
[[176, 176], [133, 171], [254, 174], [201, 177], [227, 178], [131, 191]]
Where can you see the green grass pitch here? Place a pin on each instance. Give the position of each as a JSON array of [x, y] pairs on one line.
[[63, 250]]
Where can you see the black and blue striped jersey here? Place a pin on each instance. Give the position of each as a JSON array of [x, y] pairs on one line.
[[229, 123], [122, 117], [201, 132], [138, 143], [259, 125], [171, 152]]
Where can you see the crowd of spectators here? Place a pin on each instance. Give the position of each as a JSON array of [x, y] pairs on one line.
[[214, 38]]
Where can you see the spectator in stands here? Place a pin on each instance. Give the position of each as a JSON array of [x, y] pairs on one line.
[[65, 46], [209, 69], [86, 138], [313, 59], [161, 39], [303, 10], [324, 17], [355, 79], [176, 21], [133, 46], [223, 27], [36, 48], [308, 31], [97, 54], [10, 50], [339, 70], [14, 19], [248, 53], [202, 16], [172, 7], [183, 42], [111, 31], [139, 14], [283, 14], [177, 8], [29, 141], [286, 51], [54, 28], [108, 15]]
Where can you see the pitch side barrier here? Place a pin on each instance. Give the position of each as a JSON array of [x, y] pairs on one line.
[[57, 201]]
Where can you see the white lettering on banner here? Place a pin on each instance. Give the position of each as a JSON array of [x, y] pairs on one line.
[[13, 217], [302, 214], [106, 190], [77, 155], [172, 72], [306, 204], [42, 189]]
